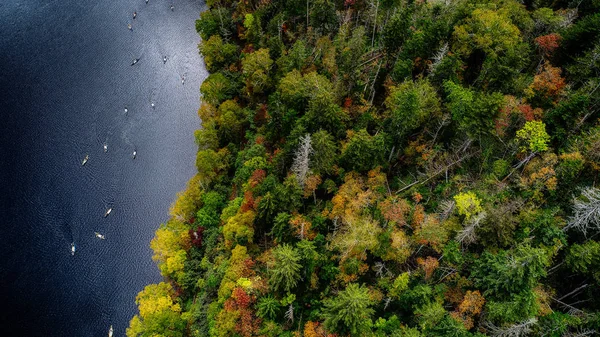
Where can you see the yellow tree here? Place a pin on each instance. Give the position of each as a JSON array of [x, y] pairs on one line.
[[160, 315], [169, 244]]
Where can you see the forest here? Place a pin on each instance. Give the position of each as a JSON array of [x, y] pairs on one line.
[[388, 168]]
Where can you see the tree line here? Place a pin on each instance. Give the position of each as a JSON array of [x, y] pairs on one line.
[[388, 168]]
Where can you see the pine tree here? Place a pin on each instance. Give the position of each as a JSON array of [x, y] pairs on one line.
[[285, 272], [350, 311]]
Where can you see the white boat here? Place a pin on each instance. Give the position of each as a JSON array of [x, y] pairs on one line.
[[105, 148], [125, 109], [99, 236], [72, 248], [110, 332], [134, 154], [107, 212], [85, 160]]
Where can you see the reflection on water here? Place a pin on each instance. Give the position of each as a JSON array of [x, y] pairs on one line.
[[69, 91]]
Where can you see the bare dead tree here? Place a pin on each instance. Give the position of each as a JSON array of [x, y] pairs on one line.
[[302, 159], [374, 22], [520, 164], [381, 270], [442, 122], [446, 208], [586, 215], [445, 162], [379, 267], [568, 16], [583, 333], [438, 57], [515, 330], [386, 302], [576, 291], [289, 314], [467, 235], [571, 309]]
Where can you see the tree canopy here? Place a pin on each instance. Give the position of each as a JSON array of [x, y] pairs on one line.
[[388, 168]]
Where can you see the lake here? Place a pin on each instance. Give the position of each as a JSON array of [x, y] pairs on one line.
[[65, 81]]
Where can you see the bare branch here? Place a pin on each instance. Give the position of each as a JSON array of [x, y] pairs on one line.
[[515, 330], [446, 208], [583, 333], [445, 162], [586, 210], [467, 235]]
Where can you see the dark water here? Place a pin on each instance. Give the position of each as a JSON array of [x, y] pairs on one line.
[[65, 78]]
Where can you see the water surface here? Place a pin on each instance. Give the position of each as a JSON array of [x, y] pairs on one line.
[[65, 79]]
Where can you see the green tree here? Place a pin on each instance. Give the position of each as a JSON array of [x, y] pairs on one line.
[[356, 238], [281, 227], [216, 21], [473, 111], [351, 44], [216, 53], [253, 28], [294, 59], [268, 307], [324, 113], [323, 16], [507, 273], [363, 152], [217, 88], [292, 88], [487, 30], [232, 121], [585, 259], [207, 138], [210, 164], [350, 311], [255, 69], [325, 152], [411, 105], [285, 272]]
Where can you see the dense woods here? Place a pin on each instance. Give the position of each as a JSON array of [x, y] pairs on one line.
[[389, 168]]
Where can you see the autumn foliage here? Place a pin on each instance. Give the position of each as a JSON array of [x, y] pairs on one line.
[[388, 168]]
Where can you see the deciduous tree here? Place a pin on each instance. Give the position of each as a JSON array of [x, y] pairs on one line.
[[159, 315]]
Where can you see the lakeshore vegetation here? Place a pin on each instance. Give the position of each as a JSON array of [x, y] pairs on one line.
[[388, 168]]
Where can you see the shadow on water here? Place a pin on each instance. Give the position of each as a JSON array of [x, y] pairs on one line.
[[66, 78]]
